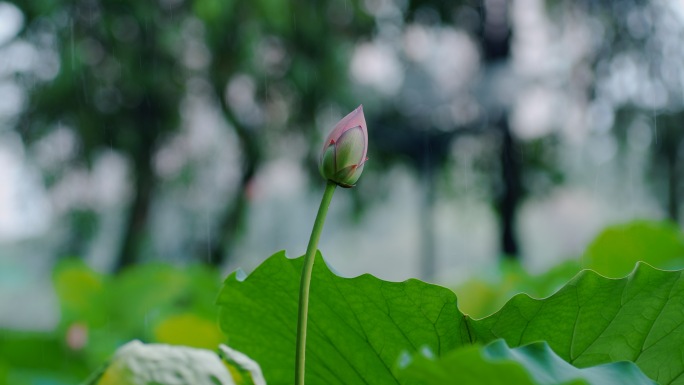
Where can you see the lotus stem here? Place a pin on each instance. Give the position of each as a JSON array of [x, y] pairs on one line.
[[305, 283]]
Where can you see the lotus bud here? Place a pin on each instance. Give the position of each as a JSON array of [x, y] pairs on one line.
[[344, 152]]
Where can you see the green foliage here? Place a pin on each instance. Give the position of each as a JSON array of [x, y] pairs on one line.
[[613, 253], [154, 303], [482, 296], [213, 11], [148, 294], [360, 326], [497, 364], [618, 248], [80, 291], [119, 82], [36, 358]]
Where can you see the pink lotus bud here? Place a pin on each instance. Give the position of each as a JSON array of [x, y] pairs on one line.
[[344, 152]]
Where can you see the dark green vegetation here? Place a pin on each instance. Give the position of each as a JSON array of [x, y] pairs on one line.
[[153, 302]]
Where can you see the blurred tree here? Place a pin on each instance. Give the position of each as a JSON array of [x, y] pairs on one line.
[[229, 39], [668, 161], [494, 34], [272, 68], [295, 56], [638, 69], [428, 147], [119, 85], [396, 139], [121, 68]]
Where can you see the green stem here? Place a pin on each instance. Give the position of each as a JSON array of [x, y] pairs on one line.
[[305, 283]]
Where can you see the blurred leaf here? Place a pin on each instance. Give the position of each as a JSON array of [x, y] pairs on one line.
[[617, 249], [153, 302], [143, 296], [534, 364], [147, 288], [28, 358], [359, 327], [189, 330], [213, 11], [480, 297], [278, 14], [80, 291], [613, 253], [136, 363]]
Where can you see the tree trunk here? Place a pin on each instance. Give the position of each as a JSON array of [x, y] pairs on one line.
[[144, 181], [672, 180], [496, 46], [233, 218], [511, 194], [428, 263]]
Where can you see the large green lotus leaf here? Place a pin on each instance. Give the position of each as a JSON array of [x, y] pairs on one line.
[[497, 364], [357, 327], [595, 320], [617, 249]]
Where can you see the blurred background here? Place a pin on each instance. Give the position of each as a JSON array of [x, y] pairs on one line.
[[148, 148]]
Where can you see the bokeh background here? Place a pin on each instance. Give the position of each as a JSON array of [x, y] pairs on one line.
[[149, 148]]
